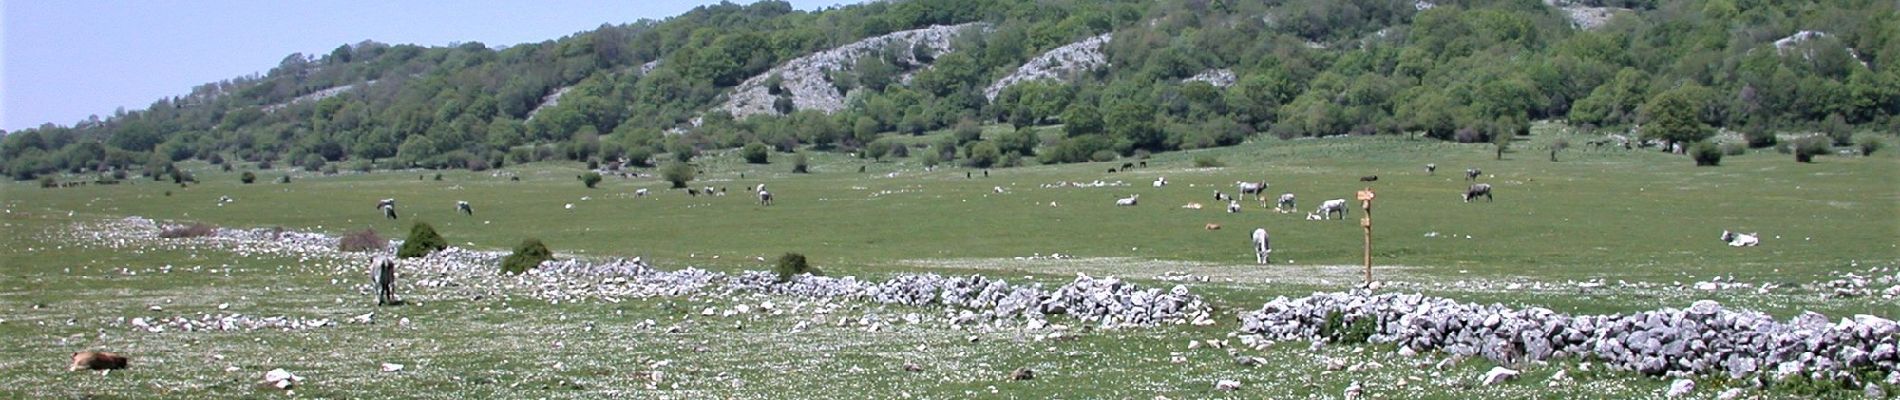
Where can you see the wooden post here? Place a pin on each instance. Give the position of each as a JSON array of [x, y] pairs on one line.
[[1365, 221]]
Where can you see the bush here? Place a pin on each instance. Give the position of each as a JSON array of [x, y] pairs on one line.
[[1705, 154], [118, 174], [48, 182], [528, 255], [366, 240], [283, 179], [793, 264], [593, 165], [422, 241], [1806, 148], [247, 177], [677, 172], [590, 179], [1734, 149], [1758, 136], [188, 231], [1868, 144], [756, 153], [799, 165], [438, 176], [1102, 155], [1207, 161], [1338, 330]]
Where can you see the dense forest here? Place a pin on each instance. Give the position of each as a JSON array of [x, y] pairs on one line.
[[1177, 74]]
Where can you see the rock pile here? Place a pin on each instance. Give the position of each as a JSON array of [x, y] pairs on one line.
[[226, 323], [1705, 338]]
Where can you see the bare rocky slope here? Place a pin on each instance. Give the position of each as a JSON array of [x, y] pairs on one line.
[[805, 77]]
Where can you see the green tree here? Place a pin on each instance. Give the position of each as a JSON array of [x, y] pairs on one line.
[[755, 153], [527, 255], [590, 179], [1672, 116], [677, 172], [983, 154], [1081, 119]]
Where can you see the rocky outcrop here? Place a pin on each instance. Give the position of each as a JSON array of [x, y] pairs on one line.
[[1220, 78], [316, 96], [1585, 17], [805, 77], [1059, 63]]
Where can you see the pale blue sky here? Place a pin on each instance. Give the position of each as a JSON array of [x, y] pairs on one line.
[[61, 61]]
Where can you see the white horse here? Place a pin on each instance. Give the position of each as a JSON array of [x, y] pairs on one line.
[[1262, 251]]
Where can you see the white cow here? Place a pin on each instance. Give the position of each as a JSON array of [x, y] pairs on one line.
[[640, 193], [1285, 204], [1329, 207], [463, 207], [1233, 206], [765, 198], [388, 206], [1161, 181], [1262, 251], [1253, 188], [1741, 239], [1482, 189], [1130, 201]]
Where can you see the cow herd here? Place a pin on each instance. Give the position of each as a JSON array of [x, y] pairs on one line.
[[1328, 209]]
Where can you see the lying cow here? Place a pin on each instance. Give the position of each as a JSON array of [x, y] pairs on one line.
[[1741, 239]]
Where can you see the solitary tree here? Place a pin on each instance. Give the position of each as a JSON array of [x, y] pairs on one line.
[[1672, 117], [677, 172]]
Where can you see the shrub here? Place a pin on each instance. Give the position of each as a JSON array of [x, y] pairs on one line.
[[677, 172], [366, 240], [799, 164], [756, 153], [1338, 330], [1207, 161], [1868, 144], [1734, 149], [438, 176], [188, 231], [225, 167], [1705, 154], [900, 150], [1806, 148], [48, 181], [528, 255], [1758, 136], [422, 241], [793, 264], [118, 174], [247, 177], [283, 179], [590, 179], [593, 164]]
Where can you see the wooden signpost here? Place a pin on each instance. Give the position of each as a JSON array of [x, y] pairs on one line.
[[1365, 221]]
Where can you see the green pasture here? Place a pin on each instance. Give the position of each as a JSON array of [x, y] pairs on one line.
[[1611, 214]]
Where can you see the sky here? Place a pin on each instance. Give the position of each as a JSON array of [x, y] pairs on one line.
[[62, 61]]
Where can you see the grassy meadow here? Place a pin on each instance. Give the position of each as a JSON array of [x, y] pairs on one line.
[[1610, 214]]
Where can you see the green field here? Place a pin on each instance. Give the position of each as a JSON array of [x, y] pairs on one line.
[[1643, 217]]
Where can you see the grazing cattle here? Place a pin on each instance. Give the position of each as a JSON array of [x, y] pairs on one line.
[[1431, 169], [1213, 226], [388, 206], [1126, 166], [1741, 239], [1218, 196], [1471, 174], [382, 274], [1233, 206], [1129, 201], [1369, 178], [96, 360], [765, 198], [1111, 170], [1262, 250], [640, 193], [224, 199], [1285, 204], [692, 192], [1329, 207], [1482, 189], [462, 207], [1253, 188], [1161, 181], [1144, 164]]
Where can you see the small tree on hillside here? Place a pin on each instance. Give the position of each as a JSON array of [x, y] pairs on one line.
[[422, 240], [677, 172], [1673, 116], [756, 153]]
